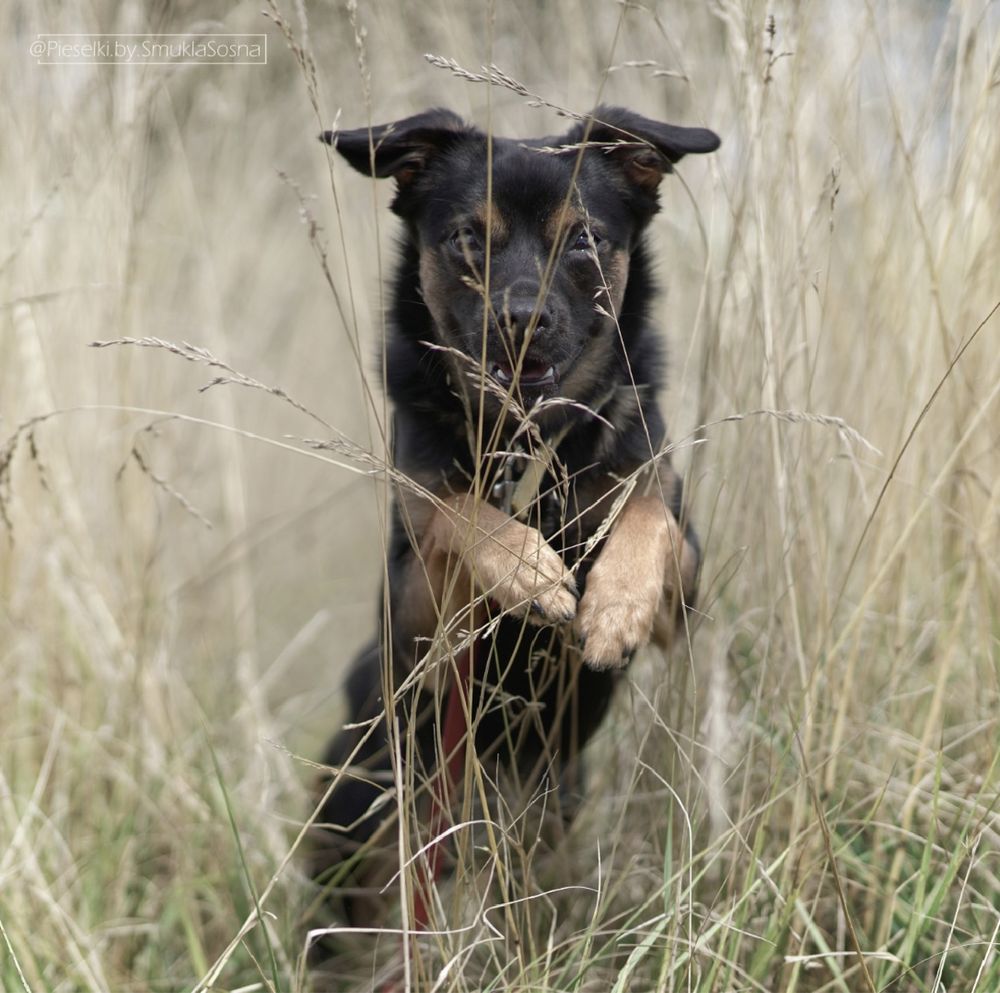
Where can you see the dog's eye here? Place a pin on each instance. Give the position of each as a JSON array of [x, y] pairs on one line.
[[584, 239], [465, 240]]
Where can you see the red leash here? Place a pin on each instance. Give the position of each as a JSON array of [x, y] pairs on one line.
[[454, 743]]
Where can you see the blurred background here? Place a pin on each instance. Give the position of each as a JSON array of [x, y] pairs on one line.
[[183, 579]]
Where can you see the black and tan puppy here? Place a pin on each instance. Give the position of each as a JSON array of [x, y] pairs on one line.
[[542, 511]]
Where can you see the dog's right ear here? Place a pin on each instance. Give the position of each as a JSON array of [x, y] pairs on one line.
[[401, 149]]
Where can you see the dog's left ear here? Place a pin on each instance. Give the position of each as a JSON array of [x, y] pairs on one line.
[[643, 148]]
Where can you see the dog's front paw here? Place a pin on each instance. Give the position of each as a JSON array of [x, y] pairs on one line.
[[616, 613], [518, 569]]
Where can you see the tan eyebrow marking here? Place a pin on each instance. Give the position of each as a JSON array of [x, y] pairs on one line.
[[492, 219], [562, 220]]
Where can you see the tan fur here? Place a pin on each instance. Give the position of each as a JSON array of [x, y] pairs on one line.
[[471, 548], [509, 561], [493, 221], [615, 274], [559, 222], [432, 281], [588, 367], [645, 167], [644, 562]]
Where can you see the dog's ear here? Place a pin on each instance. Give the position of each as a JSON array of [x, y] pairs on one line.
[[401, 149], [644, 149]]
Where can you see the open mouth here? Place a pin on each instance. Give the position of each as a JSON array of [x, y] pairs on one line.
[[533, 374]]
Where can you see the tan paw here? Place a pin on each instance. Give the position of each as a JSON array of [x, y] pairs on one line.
[[616, 614], [518, 569]]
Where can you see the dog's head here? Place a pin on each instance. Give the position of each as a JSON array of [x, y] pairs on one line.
[[524, 246]]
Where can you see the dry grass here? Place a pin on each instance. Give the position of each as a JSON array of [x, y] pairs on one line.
[[813, 776]]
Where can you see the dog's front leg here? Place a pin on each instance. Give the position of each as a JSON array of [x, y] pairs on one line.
[[508, 561], [645, 571], [512, 564]]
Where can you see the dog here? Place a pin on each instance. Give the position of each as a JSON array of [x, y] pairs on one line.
[[537, 524]]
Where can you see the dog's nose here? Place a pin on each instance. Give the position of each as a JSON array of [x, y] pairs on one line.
[[516, 315]]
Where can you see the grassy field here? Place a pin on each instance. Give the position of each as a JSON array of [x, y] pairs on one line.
[[803, 798]]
